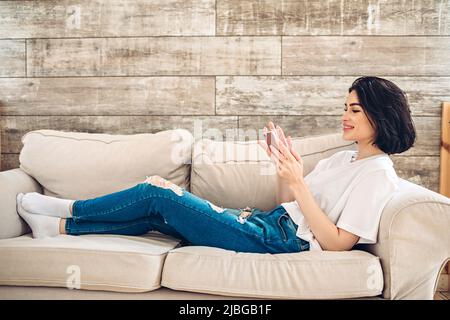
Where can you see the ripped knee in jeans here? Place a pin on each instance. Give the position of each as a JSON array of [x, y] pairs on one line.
[[163, 183], [244, 214], [215, 208]]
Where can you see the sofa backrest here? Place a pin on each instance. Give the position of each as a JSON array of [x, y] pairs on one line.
[[236, 174], [78, 165]]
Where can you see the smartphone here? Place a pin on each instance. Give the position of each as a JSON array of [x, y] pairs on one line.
[[272, 139]]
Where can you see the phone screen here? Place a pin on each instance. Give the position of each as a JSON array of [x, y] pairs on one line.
[[272, 139]]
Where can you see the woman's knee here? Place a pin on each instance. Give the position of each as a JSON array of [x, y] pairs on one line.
[[163, 184]]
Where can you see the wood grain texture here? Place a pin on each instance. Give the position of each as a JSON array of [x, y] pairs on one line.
[[325, 95], [419, 170], [9, 161], [440, 295], [349, 55], [428, 129], [332, 17], [14, 127], [12, 58], [132, 66], [154, 56], [105, 18], [108, 96], [444, 183], [443, 282]]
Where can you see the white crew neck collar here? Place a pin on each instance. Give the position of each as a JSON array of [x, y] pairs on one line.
[[355, 153]]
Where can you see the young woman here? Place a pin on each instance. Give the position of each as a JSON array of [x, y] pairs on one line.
[[334, 207]]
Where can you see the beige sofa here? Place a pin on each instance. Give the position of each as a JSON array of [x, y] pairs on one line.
[[413, 240]]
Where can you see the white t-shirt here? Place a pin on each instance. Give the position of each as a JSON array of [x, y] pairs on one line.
[[352, 194]]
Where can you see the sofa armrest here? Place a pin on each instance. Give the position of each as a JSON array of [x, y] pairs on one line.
[[13, 182], [413, 242]]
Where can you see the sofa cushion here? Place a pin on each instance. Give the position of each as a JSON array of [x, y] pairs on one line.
[[236, 174], [13, 182], [100, 262], [303, 275], [78, 165]]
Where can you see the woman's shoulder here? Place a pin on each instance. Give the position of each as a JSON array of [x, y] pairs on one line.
[[335, 159], [379, 168]]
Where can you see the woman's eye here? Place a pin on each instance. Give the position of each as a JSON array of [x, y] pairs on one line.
[[354, 111]]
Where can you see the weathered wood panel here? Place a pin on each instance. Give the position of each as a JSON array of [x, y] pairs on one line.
[[100, 18], [444, 174], [332, 17], [12, 58], [396, 56], [154, 56], [9, 161], [14, 127], [428, 129], [270, 66], [423, 171], [108, 96], [303, 95]]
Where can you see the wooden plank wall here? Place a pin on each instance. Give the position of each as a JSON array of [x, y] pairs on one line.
[[143, 66]]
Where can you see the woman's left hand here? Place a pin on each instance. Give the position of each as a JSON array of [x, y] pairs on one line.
[[289, 165]]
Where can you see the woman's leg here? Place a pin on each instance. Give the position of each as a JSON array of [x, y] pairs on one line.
[[195, 219], [132, 228]]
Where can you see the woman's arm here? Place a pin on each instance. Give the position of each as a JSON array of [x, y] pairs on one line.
[[329, 236], [283, 193]]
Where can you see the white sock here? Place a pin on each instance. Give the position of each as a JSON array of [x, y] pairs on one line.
[[50, 206], [41, 226]]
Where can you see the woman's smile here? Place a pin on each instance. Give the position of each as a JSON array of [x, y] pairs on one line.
[[347, 128]]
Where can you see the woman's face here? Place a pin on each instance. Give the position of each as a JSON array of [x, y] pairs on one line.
[[356, 125]]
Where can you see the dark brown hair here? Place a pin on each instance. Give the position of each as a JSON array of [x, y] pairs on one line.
[[387, 109]]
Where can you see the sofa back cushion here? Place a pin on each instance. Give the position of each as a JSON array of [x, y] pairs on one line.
[[236, 174], [78, 165]]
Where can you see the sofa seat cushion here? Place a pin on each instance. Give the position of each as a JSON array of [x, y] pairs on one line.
[[303, 275], [92, 262]]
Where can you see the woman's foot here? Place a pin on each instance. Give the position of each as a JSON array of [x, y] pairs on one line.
[[41, 226], [34, 202]]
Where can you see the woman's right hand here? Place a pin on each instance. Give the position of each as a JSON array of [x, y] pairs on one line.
[[286, 141], [263, 143], [281, 136]]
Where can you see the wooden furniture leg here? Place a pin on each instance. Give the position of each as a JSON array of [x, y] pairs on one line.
[[444, 183]]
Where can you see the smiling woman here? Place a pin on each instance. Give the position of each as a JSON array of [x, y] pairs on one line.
[[340, 202], [379, 114], [357, 126], [334, 207]]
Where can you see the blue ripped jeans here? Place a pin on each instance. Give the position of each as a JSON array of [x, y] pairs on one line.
[[195, 221]]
